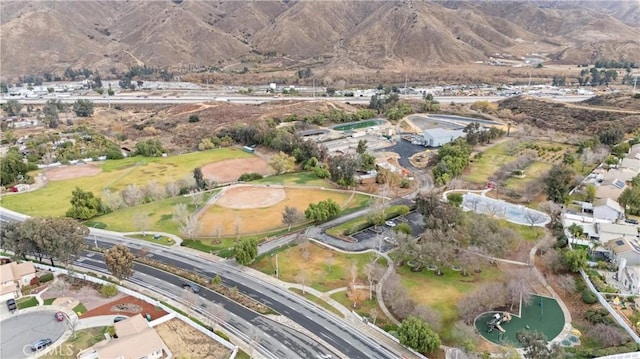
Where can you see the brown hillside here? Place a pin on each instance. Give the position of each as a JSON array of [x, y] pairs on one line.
[[330, 36], [568, 118]]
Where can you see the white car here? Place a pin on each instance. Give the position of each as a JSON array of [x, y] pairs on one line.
[[390, 223]]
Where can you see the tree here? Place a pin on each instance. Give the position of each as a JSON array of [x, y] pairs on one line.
[[201, 184], [630, 200], [322, 210], [429, 316], [362, 147], [302, 279], [246, 251], [342, 168], [416, 334], [119, 261], [194, 118], [282, 163], [291, 216], [141, 222], [575, 259], [150, 148], [576, 230], [84, 205], [558, 182], [611, 136], [356, 295], [535, 346], [12, 168], [590, 192], [132, 195], [83, 108], [12, 238], [50, 111], [12, 108]]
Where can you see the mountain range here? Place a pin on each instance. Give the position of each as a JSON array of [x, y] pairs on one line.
[[49, 36]]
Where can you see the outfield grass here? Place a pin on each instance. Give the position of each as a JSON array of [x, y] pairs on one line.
[[83, 339], [443, 292], [160, 215], [324, 269], [54, 198], [297, 178]]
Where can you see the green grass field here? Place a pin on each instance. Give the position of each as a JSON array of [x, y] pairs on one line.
[[160, 215], [53, 199], [298, 178], [364, 309], [324, 269], [443, 292], [27, 302], [162, 240]]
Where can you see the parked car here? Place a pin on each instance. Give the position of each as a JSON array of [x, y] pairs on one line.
[[59, 316], [193, 287], [41, 344], [11, 304], [632, 221], [119, 319], [390, 223]]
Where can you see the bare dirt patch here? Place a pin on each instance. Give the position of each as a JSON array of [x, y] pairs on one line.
[[230, 170], [184, 341], [244, 197], [68, 172]]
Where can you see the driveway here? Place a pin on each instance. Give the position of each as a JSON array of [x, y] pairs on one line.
[[20, 330]]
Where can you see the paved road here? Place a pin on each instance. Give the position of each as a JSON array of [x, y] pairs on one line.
[[273, 338], [337, 333], [20, 330], [232, 98]]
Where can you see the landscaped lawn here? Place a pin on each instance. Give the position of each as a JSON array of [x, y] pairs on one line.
[[224, 222], [528, 233], [83, 340], [160, 215], [443, 292], [360, 223], [364, 309], [162, 240], [53, 199], [323, 268], [49, 301], [80, 308], [27, 302]]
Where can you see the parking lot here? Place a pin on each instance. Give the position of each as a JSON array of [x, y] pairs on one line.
[[20, 330], [375, 236]]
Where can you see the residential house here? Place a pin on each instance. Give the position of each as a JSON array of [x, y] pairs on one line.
[[14, 276], [607, 209], [632, 164], [619, 174], [625, 251], [606, 232], [436, 137], [136, 340], [610, 189], [629, 277]]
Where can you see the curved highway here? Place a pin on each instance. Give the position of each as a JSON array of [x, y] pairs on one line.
[[339, 334]]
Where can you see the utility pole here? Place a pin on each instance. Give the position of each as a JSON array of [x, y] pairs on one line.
[[208, 91], [314, 88], [277, 269], [635, 82]]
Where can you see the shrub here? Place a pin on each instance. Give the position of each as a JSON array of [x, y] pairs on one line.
[[221, 335], [46, 278], [108, 290], [637, 96], [194, 118], [589, 297], [250, 176], [34, 281]]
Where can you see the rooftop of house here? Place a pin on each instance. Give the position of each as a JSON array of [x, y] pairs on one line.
[[136, 339], [14, 271], [624, 245], [613, 228], [608, 202]]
